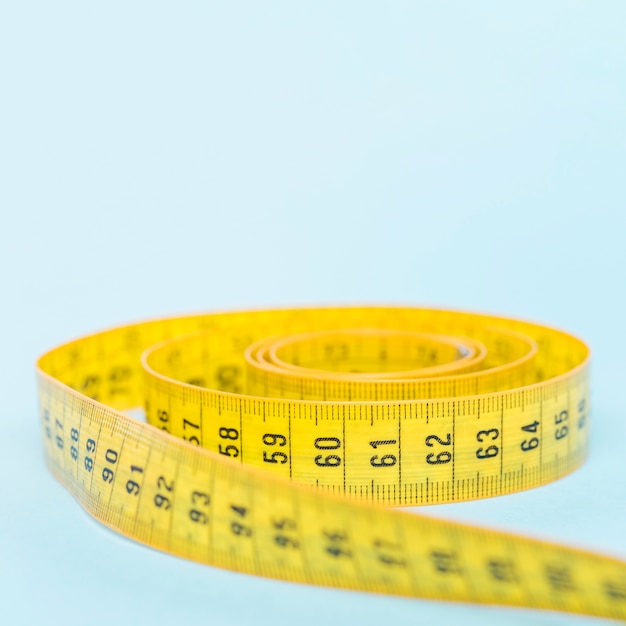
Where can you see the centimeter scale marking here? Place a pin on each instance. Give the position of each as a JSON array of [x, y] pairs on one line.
[[279, 513]]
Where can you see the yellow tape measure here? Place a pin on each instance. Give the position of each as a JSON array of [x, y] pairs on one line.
[[272, 436]]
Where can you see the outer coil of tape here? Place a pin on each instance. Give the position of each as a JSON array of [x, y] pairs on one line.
[[270, 484]]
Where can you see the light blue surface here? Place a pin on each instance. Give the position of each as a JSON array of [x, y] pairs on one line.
[[160, 158]]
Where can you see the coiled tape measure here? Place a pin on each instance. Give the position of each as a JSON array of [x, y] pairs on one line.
[[273, 437]]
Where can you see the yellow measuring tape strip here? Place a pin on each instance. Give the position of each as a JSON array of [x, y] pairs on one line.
[[273, 436]]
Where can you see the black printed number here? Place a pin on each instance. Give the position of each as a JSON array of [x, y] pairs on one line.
[[227, 434], [487, 452], [439, 458], [385, 460], [160, 500], [111, 458], [284, 528], [328, 443], [275, 456], [533, 442], [91, 448], [133, 487], [199, 499], [239, 527], [561, 428], [337, 543]]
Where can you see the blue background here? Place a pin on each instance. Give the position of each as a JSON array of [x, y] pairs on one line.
[[161, 158]]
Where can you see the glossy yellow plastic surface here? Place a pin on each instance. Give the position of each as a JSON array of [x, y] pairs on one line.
[[273, 437]]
